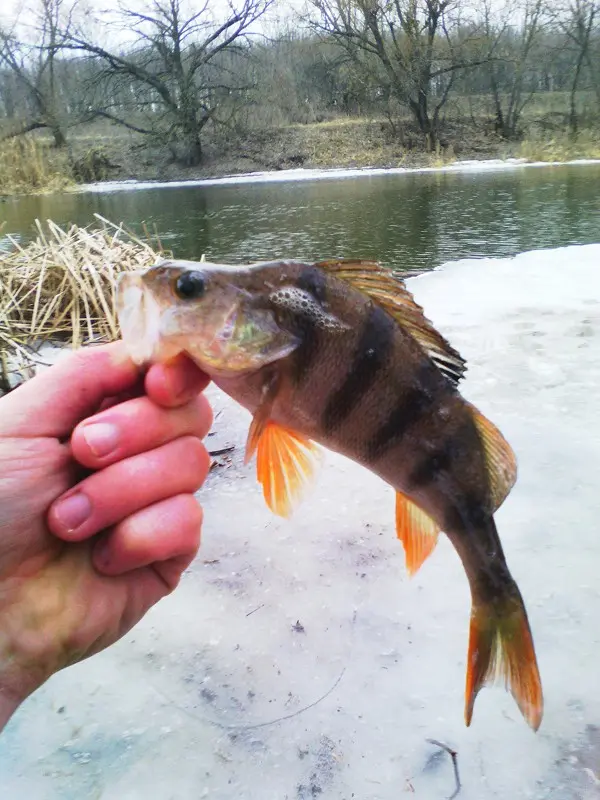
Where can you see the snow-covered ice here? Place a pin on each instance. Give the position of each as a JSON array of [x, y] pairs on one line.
[[296, 659], [305, 174]]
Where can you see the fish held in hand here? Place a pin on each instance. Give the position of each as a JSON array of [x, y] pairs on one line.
[[339, 354]]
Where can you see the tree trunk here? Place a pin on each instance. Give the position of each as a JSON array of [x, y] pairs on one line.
[[192, 146], [420, 112], [499, 122], [190, 127], [59, 137], [573, 120]]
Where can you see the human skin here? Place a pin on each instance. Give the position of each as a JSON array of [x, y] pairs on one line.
[[99, 463]]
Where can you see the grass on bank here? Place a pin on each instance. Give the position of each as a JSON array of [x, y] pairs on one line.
[[99, 150], [60, 289], [30, 164], [560, 147]]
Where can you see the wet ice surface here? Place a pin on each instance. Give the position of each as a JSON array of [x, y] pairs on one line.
[[296, 660]]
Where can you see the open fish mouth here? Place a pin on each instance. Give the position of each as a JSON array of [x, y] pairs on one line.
[[138, 315]]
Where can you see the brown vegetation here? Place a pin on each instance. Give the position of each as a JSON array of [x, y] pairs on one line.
[[59, 289], [29, 164]]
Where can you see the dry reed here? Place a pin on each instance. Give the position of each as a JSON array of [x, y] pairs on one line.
[[29, 164], [60, 290]]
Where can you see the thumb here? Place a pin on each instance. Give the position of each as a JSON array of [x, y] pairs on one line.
[[55, 400]]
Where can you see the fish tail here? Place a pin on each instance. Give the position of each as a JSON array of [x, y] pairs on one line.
[[501, 647]]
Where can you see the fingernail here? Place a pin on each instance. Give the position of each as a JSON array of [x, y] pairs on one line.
[[101, 437], [73, 511]]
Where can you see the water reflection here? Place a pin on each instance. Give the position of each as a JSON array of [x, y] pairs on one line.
[[410, 220]]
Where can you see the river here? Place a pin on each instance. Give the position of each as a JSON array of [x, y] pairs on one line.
[[408, 220]]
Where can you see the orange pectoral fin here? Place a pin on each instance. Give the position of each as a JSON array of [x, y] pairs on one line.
[[417, 532], [285, 463]]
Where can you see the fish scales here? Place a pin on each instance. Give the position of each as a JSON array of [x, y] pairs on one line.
[[378, 413]]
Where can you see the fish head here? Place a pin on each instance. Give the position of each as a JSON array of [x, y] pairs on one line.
[[215, 313]]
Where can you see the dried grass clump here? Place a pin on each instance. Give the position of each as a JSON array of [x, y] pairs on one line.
[[561, 147], [60, 290], [29, 164]]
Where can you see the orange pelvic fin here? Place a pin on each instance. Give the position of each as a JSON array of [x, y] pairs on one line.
[[501, 649], [285, 463], [417, 532]]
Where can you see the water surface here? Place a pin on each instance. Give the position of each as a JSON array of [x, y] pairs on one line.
[[407, 220]]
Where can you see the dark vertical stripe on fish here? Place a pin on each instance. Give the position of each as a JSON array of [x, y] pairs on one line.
[[430, 466], [310, 280], [313, 280], [415, 402], [371, 354], [467, 510], [457, 446]]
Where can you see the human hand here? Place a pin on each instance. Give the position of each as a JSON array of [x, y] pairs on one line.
[[93, 531]]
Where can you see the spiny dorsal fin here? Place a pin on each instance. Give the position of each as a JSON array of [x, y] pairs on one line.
[[388, 291]]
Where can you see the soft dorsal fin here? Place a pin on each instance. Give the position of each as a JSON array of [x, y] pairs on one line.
[[388, 291], [500, 458]]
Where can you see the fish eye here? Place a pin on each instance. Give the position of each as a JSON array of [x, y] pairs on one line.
[[190, 285]]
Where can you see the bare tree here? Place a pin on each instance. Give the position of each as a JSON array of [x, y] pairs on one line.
[[31, 52], [413, 41], [577, 21], [512, 49], [173, 73]]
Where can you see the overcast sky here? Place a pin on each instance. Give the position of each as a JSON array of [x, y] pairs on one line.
[[282, 12], [10, 8]]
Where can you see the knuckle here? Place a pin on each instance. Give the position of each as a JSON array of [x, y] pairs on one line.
[[196, 459], [203, 414]]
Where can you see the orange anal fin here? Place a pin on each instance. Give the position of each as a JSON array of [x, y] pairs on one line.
[[501, 650], [417, 532], [285, 463]]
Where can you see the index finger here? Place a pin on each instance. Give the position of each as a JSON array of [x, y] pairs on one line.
[[175, 383], [56, 399]]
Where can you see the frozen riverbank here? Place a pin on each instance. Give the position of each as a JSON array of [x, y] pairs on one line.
[[302, 174], [296, 660]]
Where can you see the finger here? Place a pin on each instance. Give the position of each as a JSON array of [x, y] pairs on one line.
[[56, 399], [137, 390], [134, 427], [107, 497], [167, 531], [175, 383]]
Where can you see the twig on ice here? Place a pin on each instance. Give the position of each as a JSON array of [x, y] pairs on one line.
[[454, 756]]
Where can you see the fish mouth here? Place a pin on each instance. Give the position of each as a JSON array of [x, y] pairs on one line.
[[138, 315]]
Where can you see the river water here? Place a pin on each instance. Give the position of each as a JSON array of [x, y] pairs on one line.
[[408, 220]]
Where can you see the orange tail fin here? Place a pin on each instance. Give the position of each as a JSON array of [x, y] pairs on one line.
[[501, 647]]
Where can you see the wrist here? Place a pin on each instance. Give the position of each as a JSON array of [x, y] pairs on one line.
[[17, 677], [8, 705]]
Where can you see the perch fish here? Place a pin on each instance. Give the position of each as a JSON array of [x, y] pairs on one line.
[[339, 354]]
